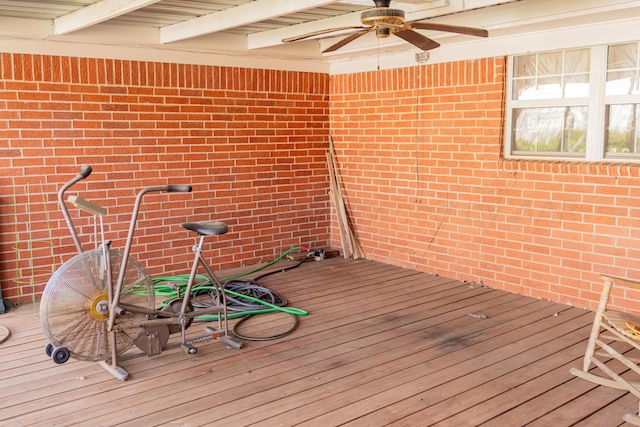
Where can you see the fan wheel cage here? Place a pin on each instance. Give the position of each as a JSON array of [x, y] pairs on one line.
[[74, 310]]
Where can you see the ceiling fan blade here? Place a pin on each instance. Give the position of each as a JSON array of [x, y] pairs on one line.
[[417, 39], [319, 33], [478, 32], [346, 40]]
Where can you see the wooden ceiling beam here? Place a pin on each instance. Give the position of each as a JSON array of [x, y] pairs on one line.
[[237, 16], [95, 13]]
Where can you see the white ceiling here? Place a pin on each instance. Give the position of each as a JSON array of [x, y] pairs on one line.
[[250, 33]]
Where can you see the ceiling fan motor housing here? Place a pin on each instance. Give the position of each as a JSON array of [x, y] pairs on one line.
[[382, 14]]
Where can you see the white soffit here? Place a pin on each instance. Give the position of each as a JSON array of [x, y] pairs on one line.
[[249, 33]]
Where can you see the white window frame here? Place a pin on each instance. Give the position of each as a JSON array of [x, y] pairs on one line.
[[596, 108]]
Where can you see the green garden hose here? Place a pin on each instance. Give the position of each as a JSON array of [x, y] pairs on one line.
[[239, 308]]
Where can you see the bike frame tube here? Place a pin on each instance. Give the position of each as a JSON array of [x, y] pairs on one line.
[[86, 171], [127, 251]]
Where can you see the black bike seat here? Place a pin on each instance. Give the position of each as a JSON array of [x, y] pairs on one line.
[[206, 228]]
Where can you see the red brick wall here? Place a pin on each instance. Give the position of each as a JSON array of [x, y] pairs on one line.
[[251, 143], [419, 150]]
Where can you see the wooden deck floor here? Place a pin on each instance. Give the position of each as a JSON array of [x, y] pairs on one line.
[[382, 345]]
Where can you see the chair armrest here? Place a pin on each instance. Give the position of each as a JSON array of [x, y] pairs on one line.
[[621, 280]]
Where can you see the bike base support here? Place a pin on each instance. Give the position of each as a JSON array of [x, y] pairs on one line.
[[116, 371]]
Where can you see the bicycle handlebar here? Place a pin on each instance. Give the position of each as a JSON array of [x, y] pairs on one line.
[[179, 189], [84, 173]]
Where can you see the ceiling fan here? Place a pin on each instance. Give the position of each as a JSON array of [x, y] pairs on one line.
[[386, 21]]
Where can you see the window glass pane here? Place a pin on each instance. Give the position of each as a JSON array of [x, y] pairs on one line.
[[622, 136], [576, 86], [622, 56], [550, 130], [524, 89], [620, 82], [575, 130], [623, 69], [524, 65], [549, 63], [577, 61], [550, 87], [538, 129]]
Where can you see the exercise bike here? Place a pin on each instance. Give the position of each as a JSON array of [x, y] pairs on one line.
[[101, 302]]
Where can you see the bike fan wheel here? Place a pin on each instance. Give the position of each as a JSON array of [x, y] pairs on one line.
[[74, 311]]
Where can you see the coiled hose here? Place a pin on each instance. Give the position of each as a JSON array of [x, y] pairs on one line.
[[5, 333], [245, 297]]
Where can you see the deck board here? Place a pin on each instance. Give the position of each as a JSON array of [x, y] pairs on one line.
[[382, 345]]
